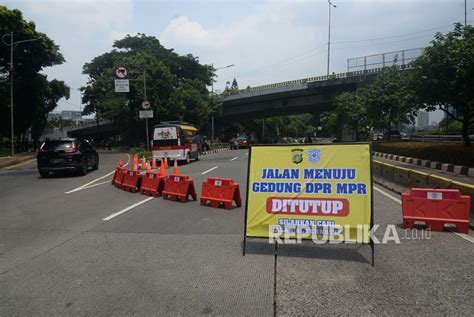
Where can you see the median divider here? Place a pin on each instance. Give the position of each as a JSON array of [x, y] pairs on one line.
[[179, 188], [220, 191], [417, 179], [152, 184], [436, 208]]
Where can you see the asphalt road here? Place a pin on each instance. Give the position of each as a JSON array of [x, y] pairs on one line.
[[59, 257]]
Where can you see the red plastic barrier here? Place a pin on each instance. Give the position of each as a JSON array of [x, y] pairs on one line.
[[118, 177], [436, 207], [131, 181], [152, 184], [179, 187], [220, 191]]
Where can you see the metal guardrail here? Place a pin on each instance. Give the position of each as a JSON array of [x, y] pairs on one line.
[[311, 80], [440, 138]]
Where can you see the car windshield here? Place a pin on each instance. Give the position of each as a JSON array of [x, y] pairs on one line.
[[57, 145]]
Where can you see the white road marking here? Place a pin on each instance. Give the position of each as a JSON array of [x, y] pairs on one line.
[[209, 170], [118, 213], [95, 180], [101, 183], [465, 237], [462, 235], [395, 199], [233, 159]]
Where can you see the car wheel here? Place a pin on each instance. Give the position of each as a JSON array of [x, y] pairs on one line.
[[82, 169], [95, 161], [44, 173]]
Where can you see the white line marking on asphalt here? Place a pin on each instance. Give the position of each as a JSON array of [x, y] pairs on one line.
[[118, 213], [395, 199], [233, 159], [209, 170], [465, 237], [102, 183], [95, 180], [462, 235]]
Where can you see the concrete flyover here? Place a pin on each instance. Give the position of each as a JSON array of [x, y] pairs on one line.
[[311, 95]]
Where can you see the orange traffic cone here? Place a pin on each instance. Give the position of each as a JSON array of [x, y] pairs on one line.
[[153, 165], [148, 166], [175, 169], [120, 163], [135, 166], [143, 166], [162, 169], [135, 159], [166, 162]]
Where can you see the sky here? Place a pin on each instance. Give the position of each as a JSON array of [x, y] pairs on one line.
[[267, 41]]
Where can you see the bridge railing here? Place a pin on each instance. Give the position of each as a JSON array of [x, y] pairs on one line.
[[311, 80]]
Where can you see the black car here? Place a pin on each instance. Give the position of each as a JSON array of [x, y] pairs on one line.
[[66, 155]]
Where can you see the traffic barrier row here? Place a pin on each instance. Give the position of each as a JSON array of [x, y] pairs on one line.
[[175, 187], [220, 191], [436, 208], [152, 184], [179, 188], [131, 181]]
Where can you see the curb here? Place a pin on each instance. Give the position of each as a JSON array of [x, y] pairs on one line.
[[215, 151], [17, 160], [456, 169]]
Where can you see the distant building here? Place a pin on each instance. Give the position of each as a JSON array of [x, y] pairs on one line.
[[422, 120]]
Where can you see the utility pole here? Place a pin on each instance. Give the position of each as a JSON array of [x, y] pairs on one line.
[[329, 32], [12, 45]]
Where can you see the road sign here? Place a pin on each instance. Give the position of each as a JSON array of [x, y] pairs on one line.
[[146, 105], [145, 114], [122, 85], [324, 190], [121, 72]]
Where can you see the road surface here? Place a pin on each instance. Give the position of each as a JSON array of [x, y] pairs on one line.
[[58, 256]]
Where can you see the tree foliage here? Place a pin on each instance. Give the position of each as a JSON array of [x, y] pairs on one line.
[[445, 76], [175, 86], [31, 108], [383, 105]]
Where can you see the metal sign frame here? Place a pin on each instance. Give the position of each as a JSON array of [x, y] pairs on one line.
[[371, 242]]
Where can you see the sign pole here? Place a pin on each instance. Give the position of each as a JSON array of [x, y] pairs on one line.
[[146, 119]]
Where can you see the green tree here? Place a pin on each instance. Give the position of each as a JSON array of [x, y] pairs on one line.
[[445, 76], [351, 109], [235, 85], [31, 108], [175, 86], [390, 100]]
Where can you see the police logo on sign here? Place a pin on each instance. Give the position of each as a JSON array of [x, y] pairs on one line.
[[314, 155]]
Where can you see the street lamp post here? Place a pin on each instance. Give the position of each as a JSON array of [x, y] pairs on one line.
[[12, 45], [329, 32], [212, 91]]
